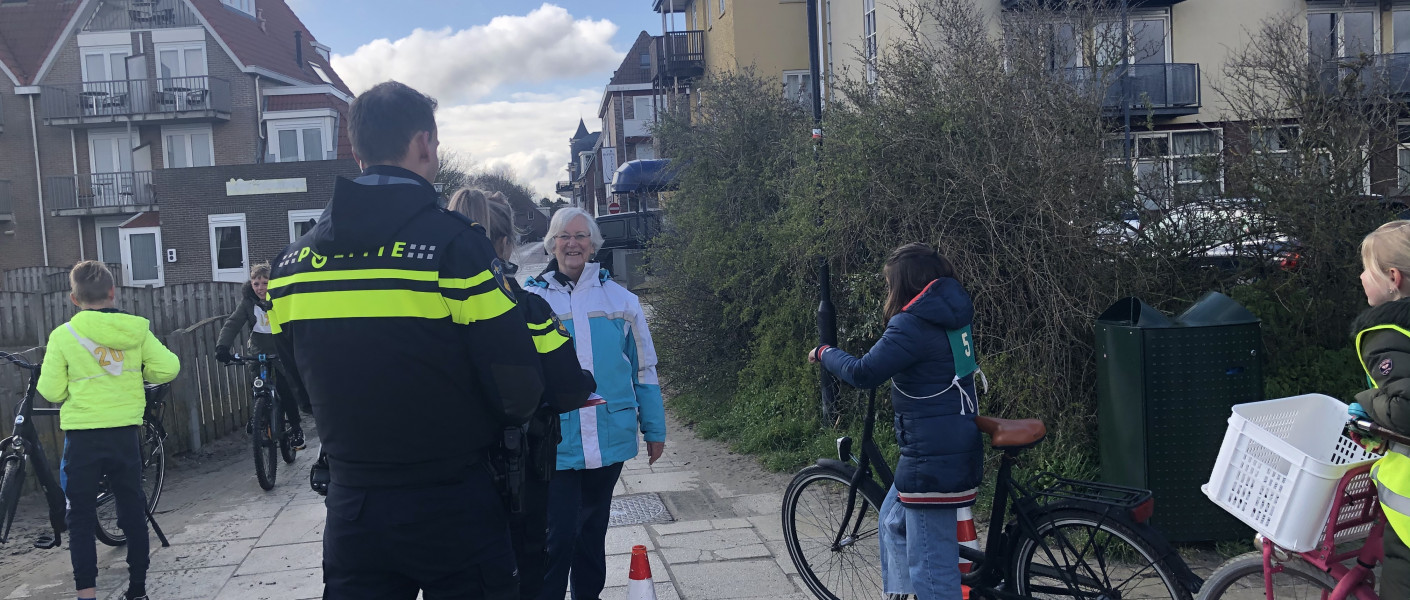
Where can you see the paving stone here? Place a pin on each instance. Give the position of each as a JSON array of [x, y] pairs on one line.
[[186, 584], [681, 527], [733, 579], [253, 510], [283, 585], [677, 556], [713, 540], [759, 504], [283, 558], [782, 557], [769, 527], [182, 557], [621, 539], [735, 523], [297, 524], [683, 481], [722, 491], [664, 591], [752, 551], [218, 531]]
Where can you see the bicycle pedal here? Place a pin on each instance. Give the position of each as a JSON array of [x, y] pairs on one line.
[[47, 542]]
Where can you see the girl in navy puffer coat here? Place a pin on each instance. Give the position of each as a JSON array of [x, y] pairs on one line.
[[928, 354]]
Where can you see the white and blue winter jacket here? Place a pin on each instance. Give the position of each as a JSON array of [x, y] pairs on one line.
[[622, 360]]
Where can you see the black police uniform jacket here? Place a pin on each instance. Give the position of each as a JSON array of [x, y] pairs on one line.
[[405, 333]]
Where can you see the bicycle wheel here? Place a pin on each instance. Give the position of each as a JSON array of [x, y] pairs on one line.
[[153, 476], [11, 481], [813, 508], [266, 454], [1082, 554], [1241, 578], [286, 450]]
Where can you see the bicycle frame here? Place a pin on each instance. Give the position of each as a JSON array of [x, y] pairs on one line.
[[1356, 506], [23, 441]]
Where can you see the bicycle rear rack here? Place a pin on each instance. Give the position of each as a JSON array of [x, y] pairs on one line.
[[1051, 487]]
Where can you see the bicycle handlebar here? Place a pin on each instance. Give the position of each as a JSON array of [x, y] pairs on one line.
[[17, 361], [1369, 427], [236, 359]]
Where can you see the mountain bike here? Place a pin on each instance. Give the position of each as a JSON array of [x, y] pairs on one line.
[[23, 444], [1354, 530], [153, 468], [267, 417], [1048, 537]]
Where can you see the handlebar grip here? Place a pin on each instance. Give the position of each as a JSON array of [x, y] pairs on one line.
[[1372, 428]]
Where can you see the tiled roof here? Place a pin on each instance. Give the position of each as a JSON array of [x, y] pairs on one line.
[[269, 45], [631, 69], [28, 32]]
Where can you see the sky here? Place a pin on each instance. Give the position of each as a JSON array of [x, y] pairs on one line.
[[512, 77]]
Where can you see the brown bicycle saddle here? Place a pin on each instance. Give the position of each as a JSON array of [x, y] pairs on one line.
[[1012, 433]]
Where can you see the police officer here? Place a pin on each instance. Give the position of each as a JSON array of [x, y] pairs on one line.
[[415, 356]]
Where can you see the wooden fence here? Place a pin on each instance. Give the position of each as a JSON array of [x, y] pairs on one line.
[[27, 319], [42, 280], [207, 400]]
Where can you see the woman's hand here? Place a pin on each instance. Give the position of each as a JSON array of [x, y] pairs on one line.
[[815, 355], [654, 450]]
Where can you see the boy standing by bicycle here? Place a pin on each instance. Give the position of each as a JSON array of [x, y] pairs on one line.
[[93, 368]]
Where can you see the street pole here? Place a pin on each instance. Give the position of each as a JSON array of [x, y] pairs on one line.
[[827, 313], [1126, 85]]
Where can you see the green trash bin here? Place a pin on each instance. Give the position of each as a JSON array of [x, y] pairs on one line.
[[1164, 391]]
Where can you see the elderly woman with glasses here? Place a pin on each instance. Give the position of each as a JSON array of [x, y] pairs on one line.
[[613, 342]]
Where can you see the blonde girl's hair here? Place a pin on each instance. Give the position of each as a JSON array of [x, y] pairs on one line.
[[491, 210], [259, 270], [1386, 248]]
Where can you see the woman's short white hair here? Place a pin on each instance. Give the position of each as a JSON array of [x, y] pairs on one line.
[[560, 221]]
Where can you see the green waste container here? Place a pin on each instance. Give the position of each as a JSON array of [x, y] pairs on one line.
[[1164, 391]]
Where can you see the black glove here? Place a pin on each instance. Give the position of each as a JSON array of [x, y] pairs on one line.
[[319, 475], [222, 354]]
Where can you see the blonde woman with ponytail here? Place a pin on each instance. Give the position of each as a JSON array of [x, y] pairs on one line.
[[566, 387], [1383, 345]]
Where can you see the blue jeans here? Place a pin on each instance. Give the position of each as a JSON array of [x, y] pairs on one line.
[[920, 550]]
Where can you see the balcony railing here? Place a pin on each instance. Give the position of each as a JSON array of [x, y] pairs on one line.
[[1379, 75], [1167, 89], [126, 15], [100, 193], [195, 98], [678, 54], [7, 202]]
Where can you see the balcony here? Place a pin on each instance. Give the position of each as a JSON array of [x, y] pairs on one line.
[[1058, 4], [127, 15], [100, 194], [1157, 90], [1380, 75], [169, 100], [678, 55], [7, 201]]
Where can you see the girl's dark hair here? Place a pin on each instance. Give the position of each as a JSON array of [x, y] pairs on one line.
[[908, 270]]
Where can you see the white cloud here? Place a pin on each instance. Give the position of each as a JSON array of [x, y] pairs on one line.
[[466, 65], [529, 135]]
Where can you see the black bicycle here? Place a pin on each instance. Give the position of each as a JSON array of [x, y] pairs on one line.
[[1048, 537], [267, 418], [23, 445]]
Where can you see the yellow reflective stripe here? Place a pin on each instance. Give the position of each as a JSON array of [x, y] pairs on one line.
[[548, 342], [1359, 356], [353, 304], [480, 307], [352, 274], [541, 326], [468, 282]]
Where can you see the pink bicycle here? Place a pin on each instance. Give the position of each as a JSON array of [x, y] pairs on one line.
[[1327, 572]]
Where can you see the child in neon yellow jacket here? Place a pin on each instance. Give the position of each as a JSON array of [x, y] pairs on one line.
[[93, 368]]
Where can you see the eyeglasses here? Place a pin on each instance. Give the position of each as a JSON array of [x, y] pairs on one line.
[[581, 237]]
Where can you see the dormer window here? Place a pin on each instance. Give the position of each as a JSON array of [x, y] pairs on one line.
[[244, 6]]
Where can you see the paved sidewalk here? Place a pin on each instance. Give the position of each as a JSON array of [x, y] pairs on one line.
[[233, 541]]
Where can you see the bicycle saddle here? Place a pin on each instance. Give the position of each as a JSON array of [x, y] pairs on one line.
[[1012, 433]]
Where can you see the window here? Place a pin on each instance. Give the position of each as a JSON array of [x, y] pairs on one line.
[[105, 63], [797, 85], [244, 6], [1173, 165], [229, 252], [1400, 28], [293, 141], [869, 37], [181, 60], [188, 147], [722, 7], [301, 222], [1195, 160], [645, 61], [708, 20], [1402, 157], [642, 109], [317, 70], [1332, 35], [645, 152]]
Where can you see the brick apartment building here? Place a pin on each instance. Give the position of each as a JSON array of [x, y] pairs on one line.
[[183, 139]]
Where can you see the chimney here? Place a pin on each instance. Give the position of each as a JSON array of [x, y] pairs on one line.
[[299, 48]]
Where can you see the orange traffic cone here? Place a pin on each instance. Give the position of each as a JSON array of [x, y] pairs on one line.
[[968, 537], [640, 587]]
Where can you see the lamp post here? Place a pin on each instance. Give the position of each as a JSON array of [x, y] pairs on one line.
[[827, 313]]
